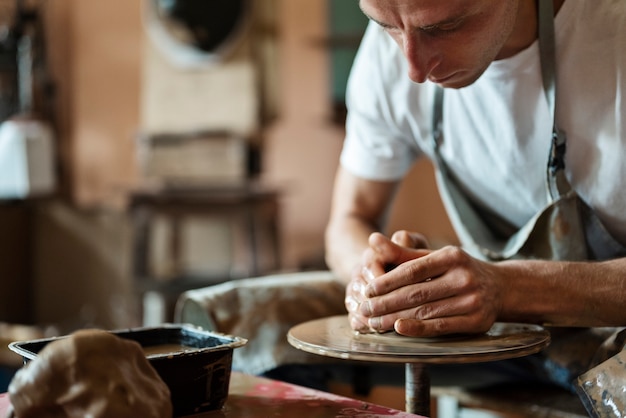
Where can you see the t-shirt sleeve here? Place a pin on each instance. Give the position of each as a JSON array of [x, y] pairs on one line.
[[380, 141]]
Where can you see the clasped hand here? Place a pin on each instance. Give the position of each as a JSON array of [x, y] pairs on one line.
[[402, 285]]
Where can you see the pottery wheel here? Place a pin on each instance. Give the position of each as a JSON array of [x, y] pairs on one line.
[[333, 337]]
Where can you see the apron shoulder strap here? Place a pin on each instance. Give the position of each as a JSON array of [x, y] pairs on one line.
[[558, 185]]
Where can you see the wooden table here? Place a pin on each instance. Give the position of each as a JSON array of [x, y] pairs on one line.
[[333, 337], [252, 397]]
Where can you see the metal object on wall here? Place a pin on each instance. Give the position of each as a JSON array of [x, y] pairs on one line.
[[233, 88], [196, 33], [8, 73], [27, 154], [26, 159]]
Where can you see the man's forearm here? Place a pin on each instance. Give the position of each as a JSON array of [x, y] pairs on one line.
[[346, 240], [564, 293], [359, 207]]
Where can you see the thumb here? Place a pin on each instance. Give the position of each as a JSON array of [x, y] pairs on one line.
[[392, 253], [409, 239]]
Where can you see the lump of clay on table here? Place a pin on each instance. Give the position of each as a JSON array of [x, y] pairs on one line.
[[90, 373]]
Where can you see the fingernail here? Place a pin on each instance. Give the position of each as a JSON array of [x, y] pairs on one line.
[[365, 308], [351, 304], [354, 324], [368, 292], [358, 287], [367, 273], [358, 326], [374, 323]]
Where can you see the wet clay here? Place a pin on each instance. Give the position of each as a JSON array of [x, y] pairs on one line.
[[90, 373]]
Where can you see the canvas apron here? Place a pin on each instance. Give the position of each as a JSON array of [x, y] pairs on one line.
[[566, 229]]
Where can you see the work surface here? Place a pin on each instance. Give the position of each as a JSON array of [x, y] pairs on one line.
[[252, 397]]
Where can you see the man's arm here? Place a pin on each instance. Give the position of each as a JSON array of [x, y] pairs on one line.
[[447, 291], [565, 293], [359, 207]]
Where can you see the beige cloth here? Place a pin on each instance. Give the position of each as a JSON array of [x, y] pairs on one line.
[[263, 310]]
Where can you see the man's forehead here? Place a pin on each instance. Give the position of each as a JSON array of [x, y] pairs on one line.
[[418, 12]]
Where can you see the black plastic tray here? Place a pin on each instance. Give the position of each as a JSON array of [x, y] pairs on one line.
[[198, 377]]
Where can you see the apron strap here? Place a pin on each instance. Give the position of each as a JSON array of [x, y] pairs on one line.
[[558, 185], [547, 50], [437, 123]]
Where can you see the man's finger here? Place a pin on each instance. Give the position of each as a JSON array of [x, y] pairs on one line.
[[438, 326], [394, 254], [409, 239]]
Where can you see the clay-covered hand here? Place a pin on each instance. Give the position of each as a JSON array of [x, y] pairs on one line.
[[383, 254], [442, 292], [90, 373]]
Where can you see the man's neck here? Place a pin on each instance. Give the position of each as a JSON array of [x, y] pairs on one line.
[[525, 30]]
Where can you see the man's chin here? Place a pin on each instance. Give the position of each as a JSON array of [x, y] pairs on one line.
[[456, 80]]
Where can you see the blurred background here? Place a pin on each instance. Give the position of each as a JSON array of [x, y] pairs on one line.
[[148, 147]]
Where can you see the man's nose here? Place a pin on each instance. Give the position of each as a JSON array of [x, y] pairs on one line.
[[420, 58]]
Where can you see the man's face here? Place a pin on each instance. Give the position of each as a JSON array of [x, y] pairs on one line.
[[449, 42]]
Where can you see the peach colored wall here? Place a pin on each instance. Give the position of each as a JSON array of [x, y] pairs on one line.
[[303, 147], [95, 57], [106, 68]]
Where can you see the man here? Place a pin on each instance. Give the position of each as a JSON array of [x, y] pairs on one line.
[[506, 198], [530, 217]]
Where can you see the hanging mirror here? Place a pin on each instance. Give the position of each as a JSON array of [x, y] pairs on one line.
[[196, 33]]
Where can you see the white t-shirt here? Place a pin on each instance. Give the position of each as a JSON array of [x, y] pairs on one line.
[[497, 131]]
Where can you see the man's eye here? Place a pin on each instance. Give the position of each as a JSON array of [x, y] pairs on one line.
[[441, 27], [387, 28], [391, 30]]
